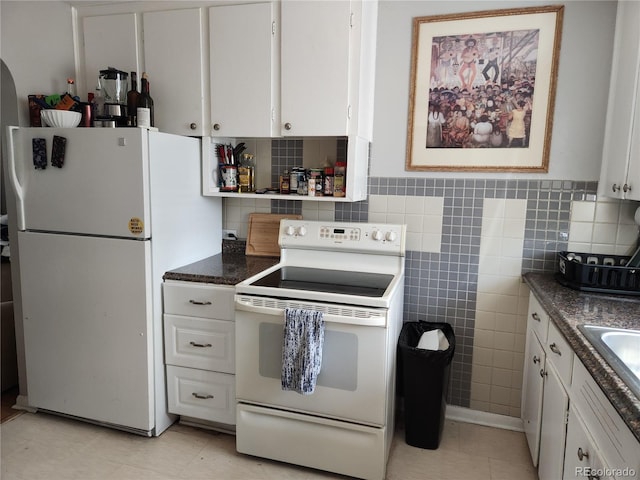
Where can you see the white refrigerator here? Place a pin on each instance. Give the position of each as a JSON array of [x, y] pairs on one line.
[[97, 229]]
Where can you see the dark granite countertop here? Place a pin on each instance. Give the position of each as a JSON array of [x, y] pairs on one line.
[[569, 308], [230, 267]]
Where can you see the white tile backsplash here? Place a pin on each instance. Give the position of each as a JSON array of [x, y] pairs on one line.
[[606, 226], [499, 302], [422, 215], [499, 323]]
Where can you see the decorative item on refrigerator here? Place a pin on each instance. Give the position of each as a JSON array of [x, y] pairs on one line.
[[39, 149], [57, 151]]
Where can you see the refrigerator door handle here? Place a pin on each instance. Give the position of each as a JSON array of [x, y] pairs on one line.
[[13, 177]]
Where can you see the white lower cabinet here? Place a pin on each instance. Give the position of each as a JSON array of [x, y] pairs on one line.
[[572, 429], [199, 345], [618, 450], [582, 459], [533, 383], [202, 394], [545, 401], [553, 429]]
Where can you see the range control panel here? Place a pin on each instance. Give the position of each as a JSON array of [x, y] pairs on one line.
[[340, 236]]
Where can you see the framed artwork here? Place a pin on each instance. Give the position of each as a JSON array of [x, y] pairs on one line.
[[482, 90]]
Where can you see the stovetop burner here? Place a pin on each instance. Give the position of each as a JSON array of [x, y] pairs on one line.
[[327, 281]]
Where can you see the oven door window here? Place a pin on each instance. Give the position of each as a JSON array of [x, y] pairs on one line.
[[339, 357], [364, 284]]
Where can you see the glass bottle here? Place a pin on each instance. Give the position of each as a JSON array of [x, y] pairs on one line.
[[71, 87], [145, 104], [132, 101]]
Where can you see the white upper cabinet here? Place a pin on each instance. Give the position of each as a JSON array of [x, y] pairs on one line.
[[103, 48], [174, 58], [244, 70], [315, 68], [327, 67], [620, 175]]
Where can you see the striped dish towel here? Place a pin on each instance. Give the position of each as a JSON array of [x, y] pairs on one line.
[[302, 349]]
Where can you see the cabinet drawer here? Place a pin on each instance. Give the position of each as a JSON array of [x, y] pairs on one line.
[[199, 300], [201, 394], [538, 320], [199, 343], [559, 353]]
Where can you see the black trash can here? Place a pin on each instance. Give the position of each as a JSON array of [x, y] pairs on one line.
[[423, 380]]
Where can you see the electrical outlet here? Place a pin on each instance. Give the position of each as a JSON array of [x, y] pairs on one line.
[[230, 234]]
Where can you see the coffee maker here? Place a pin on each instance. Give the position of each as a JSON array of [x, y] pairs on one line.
[[114, 85]]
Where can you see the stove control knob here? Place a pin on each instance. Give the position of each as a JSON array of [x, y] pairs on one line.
[[376, 235], [302, 231], [289, 231], [390, 236]]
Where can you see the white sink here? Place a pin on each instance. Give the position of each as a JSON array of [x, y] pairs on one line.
[[620, 348]]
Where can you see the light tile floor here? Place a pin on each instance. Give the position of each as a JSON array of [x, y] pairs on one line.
[[42, 446]]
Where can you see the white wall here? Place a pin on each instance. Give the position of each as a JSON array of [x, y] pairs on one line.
[[581, 97], [37, 46]]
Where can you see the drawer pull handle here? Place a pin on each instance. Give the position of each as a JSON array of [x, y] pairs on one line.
[[543, 373], [202, 396], [536, 359], [199, 302], [535, 316], [200, 345], [554, 348], [581, 454]]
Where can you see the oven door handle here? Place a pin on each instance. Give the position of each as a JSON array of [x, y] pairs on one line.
[[345, 314]]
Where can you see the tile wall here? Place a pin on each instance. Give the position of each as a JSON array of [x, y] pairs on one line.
[[468, 242]]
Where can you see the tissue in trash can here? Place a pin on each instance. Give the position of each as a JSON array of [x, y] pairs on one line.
[[433, 340]]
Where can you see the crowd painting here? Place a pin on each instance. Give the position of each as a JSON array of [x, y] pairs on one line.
[[481, 90]]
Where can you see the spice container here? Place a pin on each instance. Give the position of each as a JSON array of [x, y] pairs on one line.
[[315, 182], [294, 179], [284, 183], [328, 181], [339, 187], [303, 188], [246, 174]]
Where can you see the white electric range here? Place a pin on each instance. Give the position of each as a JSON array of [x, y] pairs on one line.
[[354, 274]]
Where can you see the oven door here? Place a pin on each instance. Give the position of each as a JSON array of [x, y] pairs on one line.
[[355, 370]]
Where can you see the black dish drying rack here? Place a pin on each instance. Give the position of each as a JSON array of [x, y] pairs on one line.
[[600, 273]]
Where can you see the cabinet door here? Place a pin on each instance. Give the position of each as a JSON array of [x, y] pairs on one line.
[[532, 393], [581, 454], [553, 429], [620, 175], [103, 48], [633, 174], [174, 60], [244, 70], [315, 53]]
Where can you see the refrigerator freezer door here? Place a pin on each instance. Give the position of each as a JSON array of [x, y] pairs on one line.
[[88, 327], [102, 188]]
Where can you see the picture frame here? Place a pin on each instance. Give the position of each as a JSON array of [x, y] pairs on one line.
[[482, 90]]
